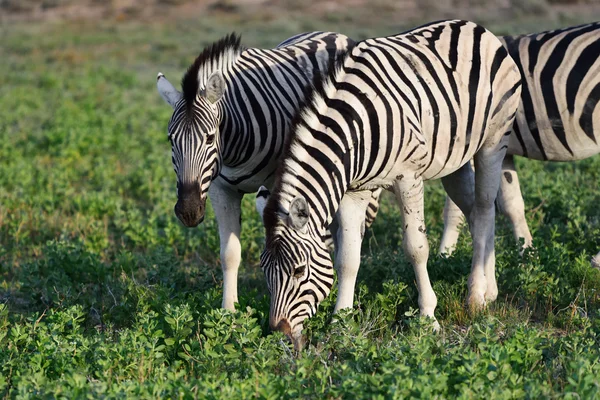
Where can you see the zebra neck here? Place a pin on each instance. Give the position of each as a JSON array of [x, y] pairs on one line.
[[316, 172], [236, 132], [255, 114]]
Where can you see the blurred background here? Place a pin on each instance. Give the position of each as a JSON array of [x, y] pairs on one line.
[[365, 15]]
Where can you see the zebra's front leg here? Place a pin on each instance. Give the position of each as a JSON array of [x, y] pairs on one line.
[[409, 193], [348, 231], [510, 200], [227, 206]]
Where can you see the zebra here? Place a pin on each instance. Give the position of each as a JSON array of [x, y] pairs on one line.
[[392, 112], [230, 123], [561, 90]]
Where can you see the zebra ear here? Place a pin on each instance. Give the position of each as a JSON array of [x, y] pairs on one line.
[[261, 199], [299, 211], [167, 91], [215, 86]]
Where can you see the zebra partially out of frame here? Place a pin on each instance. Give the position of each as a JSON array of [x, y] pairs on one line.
[[558, 118], [391, 113], [229, 126]]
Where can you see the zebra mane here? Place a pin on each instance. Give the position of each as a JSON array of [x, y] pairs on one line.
[[313, 94], [221, 53]]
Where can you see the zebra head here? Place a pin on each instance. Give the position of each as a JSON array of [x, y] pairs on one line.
[[296, 264], [194, 135]]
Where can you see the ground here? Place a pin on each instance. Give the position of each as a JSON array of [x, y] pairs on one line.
[[103, 293]]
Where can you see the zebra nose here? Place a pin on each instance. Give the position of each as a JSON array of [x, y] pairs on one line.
[[189, 216], [190, 207]]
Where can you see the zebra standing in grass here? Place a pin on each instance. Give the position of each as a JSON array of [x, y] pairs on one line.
[[229, 126], [558, 118], [393, 112]]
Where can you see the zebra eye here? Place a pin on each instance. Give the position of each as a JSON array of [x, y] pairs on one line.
[[299, 271], [210, 139]]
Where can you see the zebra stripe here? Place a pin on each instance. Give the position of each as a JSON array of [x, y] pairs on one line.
[[561, 91], [392, 112], [558, 117], [230, 123]]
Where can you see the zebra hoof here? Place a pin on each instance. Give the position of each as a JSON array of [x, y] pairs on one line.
[[476, 302], [491, 294]]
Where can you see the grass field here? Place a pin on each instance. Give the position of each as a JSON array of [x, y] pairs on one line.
[[103, 293]]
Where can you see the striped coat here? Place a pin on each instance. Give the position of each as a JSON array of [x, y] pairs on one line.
[[393, 112], [558, 117]]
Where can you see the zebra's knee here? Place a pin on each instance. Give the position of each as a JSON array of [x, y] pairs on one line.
[[416, 245], [231, 254]]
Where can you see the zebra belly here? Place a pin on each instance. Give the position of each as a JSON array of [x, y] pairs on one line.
[[237, 179], [544, 142]]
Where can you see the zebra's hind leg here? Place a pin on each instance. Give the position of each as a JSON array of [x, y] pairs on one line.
[[349, 228], [227, 207], [482, 281], [453, 218], [454, 215], [461, 188], [409, 193], [510, 200]]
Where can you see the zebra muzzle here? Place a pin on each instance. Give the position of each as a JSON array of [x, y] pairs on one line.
[[296, 338], [190, 206]]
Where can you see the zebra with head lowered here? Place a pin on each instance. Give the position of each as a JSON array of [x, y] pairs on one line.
[[558, 118], [392, 112], [229, 126]]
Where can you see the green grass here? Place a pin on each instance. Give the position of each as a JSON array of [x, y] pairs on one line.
[[104, 294]]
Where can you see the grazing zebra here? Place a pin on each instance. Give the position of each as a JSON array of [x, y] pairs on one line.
[[391, 113], [229, 126], [558, 118]]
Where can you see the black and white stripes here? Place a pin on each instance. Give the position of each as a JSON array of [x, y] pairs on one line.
[[392, 112], [558, 118], [230, 123]]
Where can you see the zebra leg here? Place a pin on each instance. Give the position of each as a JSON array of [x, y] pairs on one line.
[[348, 231], [409, 193], [227, 206], [460, 187], [510, 200], [596, 261], [482, 281], [453, 218]]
